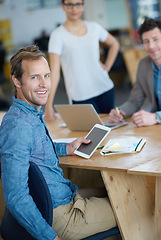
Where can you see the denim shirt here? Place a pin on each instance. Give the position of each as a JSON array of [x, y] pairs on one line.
[[24, 137]]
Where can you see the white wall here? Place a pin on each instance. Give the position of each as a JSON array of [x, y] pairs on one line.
[[27, 25], [95, 11], [111, 14]]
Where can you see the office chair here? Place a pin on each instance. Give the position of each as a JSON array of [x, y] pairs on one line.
[[10, 228]]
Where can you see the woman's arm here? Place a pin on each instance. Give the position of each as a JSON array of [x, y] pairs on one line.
[[113, 45], [55, 77]]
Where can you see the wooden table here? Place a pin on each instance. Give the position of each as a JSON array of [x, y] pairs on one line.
[[131, 192], [130, 179], [153, 168]]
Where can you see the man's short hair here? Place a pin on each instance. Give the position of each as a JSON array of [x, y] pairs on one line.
[[26, 53], [149, 24]]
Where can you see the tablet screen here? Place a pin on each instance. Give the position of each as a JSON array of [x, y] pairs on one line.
[[95, 136]]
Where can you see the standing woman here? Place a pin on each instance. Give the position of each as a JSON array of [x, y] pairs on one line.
[[75, 47]]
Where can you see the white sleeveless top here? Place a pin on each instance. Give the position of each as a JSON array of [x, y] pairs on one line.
[[80, 60]]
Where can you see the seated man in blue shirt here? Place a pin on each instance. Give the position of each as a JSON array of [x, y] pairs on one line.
[[144, 103], [24, 137]]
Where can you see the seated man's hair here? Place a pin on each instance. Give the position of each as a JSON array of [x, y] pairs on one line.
[[149, 24], [26, 53]]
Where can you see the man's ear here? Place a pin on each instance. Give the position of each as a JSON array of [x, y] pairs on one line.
[[16, 82]]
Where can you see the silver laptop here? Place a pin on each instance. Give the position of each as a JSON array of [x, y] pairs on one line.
[[82, 117]]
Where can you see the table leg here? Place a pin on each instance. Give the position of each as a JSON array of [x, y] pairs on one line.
[[158, 208], [133, 204]]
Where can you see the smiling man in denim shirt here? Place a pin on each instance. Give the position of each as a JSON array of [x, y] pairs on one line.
[[24, 137]]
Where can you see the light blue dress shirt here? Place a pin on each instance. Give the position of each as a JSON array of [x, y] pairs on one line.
[[24, 137], [157, 88]]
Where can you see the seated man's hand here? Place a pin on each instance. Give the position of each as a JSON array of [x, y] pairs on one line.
[[73, 145], [115, 117], [144, 118]]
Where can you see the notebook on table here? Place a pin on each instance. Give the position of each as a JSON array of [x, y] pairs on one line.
[[123, 145], [82, 117]]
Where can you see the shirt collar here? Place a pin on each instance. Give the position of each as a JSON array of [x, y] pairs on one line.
[[27, 106], [155, 68]]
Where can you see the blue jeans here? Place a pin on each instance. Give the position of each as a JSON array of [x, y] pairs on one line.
[[102, 103]]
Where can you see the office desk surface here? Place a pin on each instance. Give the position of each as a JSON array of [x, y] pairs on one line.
[[122, 162], [132, 196], [150, 168]]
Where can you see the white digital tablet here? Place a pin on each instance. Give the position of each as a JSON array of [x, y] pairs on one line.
[[97, 134]]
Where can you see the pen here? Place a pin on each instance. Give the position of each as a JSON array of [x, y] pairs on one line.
[[117, 109], [100, 147]]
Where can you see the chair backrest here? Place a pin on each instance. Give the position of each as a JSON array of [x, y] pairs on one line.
[[10, 228]]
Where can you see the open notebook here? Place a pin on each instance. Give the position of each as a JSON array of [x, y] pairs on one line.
[[82, 117], [123, 145]]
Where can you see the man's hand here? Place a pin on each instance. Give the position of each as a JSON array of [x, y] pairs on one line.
[[115, 116], [73, 145], [57, 238], [144, 118]]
